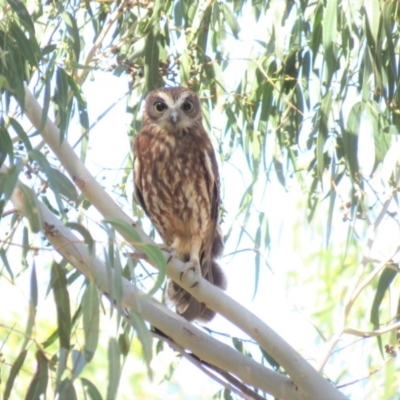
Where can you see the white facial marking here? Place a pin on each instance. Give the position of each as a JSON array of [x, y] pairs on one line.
[[170, 102]]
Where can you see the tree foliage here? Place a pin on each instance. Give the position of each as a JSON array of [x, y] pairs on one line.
[[306, 100]]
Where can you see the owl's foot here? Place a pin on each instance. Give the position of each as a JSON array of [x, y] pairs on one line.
[[172, 252], [194, 266]]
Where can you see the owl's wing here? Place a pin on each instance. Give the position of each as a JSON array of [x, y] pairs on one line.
[[137, 173], [212, 237]]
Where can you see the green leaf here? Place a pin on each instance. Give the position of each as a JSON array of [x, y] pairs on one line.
[[114, 369], [126, 230], [385, 280], [61, 365], [90, 389], [33, 301], [230, 20], [323, 129], [78, 362], [151, 60], [73, 30], [6, 146], [184, 68], [18, 363], [31, 208], [36, 155], [9, 180], [350, 138], [87, 237], [152, 252], [316, 35], [329, 32], [61, 297], [64, 185], [155, 256], [271, 361], [21, 133], [25, 247], [4, 259], [145, 337], [66, 390], [91, 320], [28, 47], [38, 386], [382, 140], [47, 76], [61, 99], [238, 345], [23, 15]]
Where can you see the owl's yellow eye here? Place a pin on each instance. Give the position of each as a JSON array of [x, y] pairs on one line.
[[187, 106], [159, 107]]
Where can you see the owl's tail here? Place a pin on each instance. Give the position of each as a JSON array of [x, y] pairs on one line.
[[185, 304]]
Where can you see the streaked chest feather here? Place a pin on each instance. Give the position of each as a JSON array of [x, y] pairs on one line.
[[177, 184]]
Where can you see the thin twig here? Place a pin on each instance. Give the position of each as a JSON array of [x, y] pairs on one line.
[[231, 383]]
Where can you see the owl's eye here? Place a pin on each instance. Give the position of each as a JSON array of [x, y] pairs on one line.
[[187, 106], [159, 107]]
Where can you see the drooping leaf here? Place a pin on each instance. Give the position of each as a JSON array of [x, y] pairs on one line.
[[61, 298], [114, 369], [66, 390], [16, 367], [151, 60], [350, 138], [31, 208], [91, 390], [6, 147], [61, 99], [78, 363], [33, 301], [38, 386], [91, 320], [87, 237]]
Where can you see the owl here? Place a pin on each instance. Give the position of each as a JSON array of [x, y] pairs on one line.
[[177, 184]]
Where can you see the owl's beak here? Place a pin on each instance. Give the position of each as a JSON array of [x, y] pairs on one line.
[[174, 117]]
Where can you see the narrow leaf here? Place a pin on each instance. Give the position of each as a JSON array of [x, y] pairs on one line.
[[91, 320], [87, 237], [59, 285], [323, 128], [61, 99], [36, 155], [350, 138], [23, 15], [64, 185], [151, 60], [38, 386], [146, 339], [33, 301], [230, 20], [21, 133], [66, 390], [91, 390], [114, 369], [6, 146], [78, 361], [31, 208], [13, 374]]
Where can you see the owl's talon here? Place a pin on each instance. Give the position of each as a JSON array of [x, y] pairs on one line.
[[191, 266]]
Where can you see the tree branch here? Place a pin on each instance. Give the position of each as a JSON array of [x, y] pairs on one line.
[[309, 382], [185, 334]]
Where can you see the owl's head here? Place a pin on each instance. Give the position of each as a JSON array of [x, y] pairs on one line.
[[175, 109]]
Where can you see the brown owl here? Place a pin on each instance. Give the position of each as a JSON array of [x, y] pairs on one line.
[[177, 184]]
